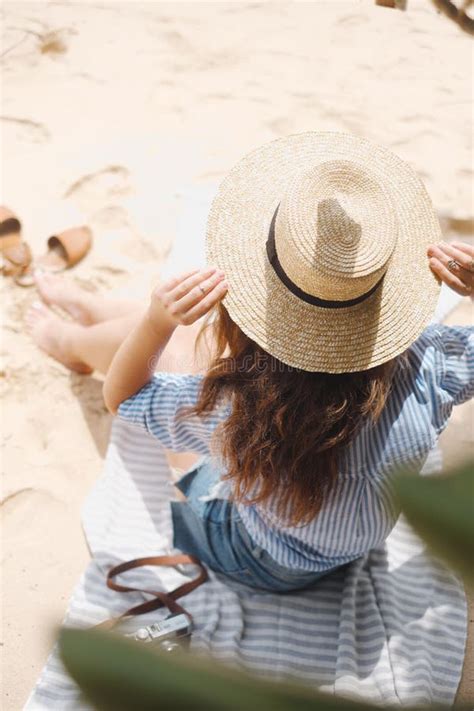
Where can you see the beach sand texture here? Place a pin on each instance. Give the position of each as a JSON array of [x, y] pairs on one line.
[[111, 113]]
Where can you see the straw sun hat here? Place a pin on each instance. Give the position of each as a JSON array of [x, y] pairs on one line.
[[323, 237]]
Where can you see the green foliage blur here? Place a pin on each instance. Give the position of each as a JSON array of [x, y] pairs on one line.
[[441, 510]]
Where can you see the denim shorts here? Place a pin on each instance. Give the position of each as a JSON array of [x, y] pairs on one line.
[[213, 531]]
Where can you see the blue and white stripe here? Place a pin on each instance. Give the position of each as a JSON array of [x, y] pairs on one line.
[[360, 512]]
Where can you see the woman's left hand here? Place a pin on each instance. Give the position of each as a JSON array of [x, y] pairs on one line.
[[454, 264], [185, 299]]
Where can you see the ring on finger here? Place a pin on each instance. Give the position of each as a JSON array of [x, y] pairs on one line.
[[453, 265], [202, 289]]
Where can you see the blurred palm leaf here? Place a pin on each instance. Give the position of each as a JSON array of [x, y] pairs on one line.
[[116, 674], [441, 510]]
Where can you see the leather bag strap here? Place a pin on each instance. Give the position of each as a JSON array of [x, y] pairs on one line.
[[160, 598]]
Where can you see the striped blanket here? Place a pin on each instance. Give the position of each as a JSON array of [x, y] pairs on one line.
[[389, 628]]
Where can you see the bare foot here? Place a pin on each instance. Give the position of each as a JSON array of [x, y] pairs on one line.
[[57, 291], [53, 335], [84, 306]]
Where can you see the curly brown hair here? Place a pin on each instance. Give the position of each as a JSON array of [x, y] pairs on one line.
[[286, 427]]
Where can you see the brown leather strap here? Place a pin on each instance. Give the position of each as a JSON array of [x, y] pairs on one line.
[[161, 599]]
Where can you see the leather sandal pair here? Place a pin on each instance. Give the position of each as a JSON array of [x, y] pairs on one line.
[[64, 249]]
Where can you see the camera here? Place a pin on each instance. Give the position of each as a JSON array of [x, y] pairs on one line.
[[170, 634]]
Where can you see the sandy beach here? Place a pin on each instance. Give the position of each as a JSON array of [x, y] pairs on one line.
[[112, 114]]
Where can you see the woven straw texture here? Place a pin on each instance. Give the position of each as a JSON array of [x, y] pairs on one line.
[[349, 213]]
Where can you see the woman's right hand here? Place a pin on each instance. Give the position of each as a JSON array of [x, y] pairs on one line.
[[453, 263], [185, 299]]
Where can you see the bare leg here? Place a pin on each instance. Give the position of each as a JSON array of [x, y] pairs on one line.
[[85, 307], [87, 348]]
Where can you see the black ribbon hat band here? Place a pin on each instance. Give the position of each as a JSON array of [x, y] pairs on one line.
[[303, 295]]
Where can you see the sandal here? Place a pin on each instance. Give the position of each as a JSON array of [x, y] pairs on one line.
[[17, 261], [64, 251], [10, 228], [16, 254]]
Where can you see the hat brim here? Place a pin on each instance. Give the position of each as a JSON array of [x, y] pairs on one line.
[[299, 334]]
